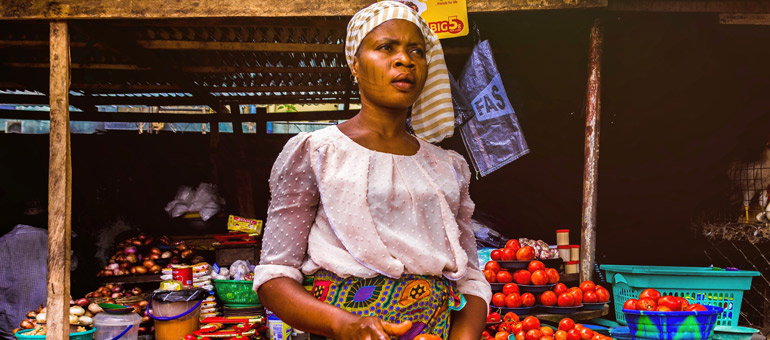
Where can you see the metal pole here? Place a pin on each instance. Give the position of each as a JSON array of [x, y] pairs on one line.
[[591, 171]]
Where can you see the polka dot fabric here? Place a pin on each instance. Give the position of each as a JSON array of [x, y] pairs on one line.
[[355, 212]]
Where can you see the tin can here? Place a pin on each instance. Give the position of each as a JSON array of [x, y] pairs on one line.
[[183, 274]]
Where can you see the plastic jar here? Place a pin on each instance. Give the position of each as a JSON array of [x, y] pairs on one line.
[[574, 254], [176, 313], [123, 326], [571, 267], [562, 237], [564, 253]]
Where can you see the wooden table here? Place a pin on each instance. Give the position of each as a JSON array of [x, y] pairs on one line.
[[577, 316]]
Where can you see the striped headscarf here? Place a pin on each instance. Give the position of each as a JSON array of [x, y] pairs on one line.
[[432, 113]]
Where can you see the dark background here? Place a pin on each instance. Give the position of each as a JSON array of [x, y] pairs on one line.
[[681, 96]]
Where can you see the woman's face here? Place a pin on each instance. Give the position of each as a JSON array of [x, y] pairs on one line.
[[390, 65]]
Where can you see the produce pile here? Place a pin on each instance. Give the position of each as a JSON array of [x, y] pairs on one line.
[[530, 329], [586, 292], [111, 292], [524, 249], [81, 314], [144, 254], [651, 299], [535, 274]]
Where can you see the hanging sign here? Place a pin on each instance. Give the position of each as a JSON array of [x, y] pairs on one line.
[[447, 18]]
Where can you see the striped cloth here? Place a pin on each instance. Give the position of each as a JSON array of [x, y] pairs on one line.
[[432, 113]]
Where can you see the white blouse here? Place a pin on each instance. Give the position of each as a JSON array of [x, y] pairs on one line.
[[339, 206]]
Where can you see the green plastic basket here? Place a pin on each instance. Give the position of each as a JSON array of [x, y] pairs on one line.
[[87, 335], [703, 285], [237, 293]]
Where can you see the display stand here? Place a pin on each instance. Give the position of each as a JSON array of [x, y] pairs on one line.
[[577, 316]]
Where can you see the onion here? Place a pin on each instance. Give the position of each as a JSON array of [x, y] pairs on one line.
[[110, 301], [155, 269], [73, 319], [130, 250], [77, 310], [84, 320], [26, 324], [96, 295], [94, 308], [143, 303], [182, 247], [112, 266], [89, 314], [117, 289], [137, 242], [116, 295], [31, 314], [148, 263], [136, 291], [142, 329], [140, 270], [154, 256], [186, 253], [132, 258], [133, 270], [148, 241], [108, 272], [197, 259], [82, 302], [155, 251], [117, 272], [40, 318], [145, 319], [175, 260], [142, 237], [42, 310], [124, 265], [166, 254]]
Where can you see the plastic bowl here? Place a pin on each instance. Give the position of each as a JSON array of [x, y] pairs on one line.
[[733, 333], [535, 288], [87, 335], [558, 310], [672, 325]]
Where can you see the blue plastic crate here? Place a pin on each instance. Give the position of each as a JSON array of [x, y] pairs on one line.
[[703, 285], [698, 325]]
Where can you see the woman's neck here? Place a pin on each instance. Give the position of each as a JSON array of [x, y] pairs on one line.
[[385, 122]]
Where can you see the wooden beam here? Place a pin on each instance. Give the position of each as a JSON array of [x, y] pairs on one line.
[[59, 186], [240, 46], [706, 6], [154, 88], [744, 19], [192, 69], [135, 117], [174, 101], [34, 43], [161, 9], [591, 166]]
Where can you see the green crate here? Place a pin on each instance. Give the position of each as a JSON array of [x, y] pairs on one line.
[[703, 285], [236, 292], [86, 335]]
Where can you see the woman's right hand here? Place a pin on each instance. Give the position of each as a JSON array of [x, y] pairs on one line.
[[372, 328]]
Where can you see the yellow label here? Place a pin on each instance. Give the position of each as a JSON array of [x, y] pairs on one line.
[[245, 225], [447, 18]]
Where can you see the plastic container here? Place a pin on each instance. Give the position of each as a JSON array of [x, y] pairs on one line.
[[574, 252], [621, 333], [564, 253], [562, 237], [571, 267], [123, 326], [701, 285], [697, 325], [733, 333], [176, 313], [277, 329], [87, 335], [236, 293]]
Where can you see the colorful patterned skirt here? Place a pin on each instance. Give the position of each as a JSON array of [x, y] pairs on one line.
[[426, 301]]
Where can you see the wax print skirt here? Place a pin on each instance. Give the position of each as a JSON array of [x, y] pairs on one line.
[[426, 301]]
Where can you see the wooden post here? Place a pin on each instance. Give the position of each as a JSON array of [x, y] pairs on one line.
[[591, 167], [59, 186]]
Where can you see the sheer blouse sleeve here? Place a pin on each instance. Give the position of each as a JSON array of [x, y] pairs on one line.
[[292, 210], [474, 282]]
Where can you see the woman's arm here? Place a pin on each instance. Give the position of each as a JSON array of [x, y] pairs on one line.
[[469, 322], [295, 306]]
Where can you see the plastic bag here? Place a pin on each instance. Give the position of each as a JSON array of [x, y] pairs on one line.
[[239, 269], [204, 200], [184, 295], [492, 136], [487, 237]]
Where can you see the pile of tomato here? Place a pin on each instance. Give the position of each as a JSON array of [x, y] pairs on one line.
[[531, 329], [513, 251], [652, 300], [535, 274], [562, 296]]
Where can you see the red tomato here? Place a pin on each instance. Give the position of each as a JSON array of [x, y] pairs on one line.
[[586, 333], [530, 323], [684, 302], [498, 300], [513, 244], [696, 308], [553, 276], [590, 297], [517, 327], [602, 293], [560, 288], [490, 275], [493, 317], [566, 300], [560, 335], [521, 335], [513, 300], [508, 254], [545, 337], [499, 336], [534, 334], [539, 277], [511, 317], [670, 302], [548, 298], [510, 288], [504, 276], [526, 253], [566, 324], [535, 265], [596, 336], [524, 278], [662, 309], [493, 265], [573, 334], [630, 304], [547, 331], [577, 295], [650, 293], [527, 299], [587, 286], [646, 304], [496, 255]]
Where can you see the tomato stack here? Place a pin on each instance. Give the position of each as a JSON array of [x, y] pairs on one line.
[[513, 251], [569, 330], [586, 292], [511, 297], [527, 329], [652, 300], [535, 274]]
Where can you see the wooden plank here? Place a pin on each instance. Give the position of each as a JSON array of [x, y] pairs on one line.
[[240, 46], [135, 117], [744, 19], [708, 6], [192, 69], [591, 165], [59, 186], [160, 9], [154, 88]]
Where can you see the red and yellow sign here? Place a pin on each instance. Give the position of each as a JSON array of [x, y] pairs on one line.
[[447, 18]]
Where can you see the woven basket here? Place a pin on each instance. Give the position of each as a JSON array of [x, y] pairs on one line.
[[122, 301]]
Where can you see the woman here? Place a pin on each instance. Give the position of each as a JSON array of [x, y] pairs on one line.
[[381, 218]]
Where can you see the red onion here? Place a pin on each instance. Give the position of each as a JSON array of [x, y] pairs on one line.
[[117, 289], [137, 242], [187, 253], [148, 263], [142, 237], [132, 258], [155, 269], [112, 266], [136, 291], [154, 256], [116, 295], [82, 302], [166, 254], [130, 250], [140, 270], [116, 272], [155, 251]]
